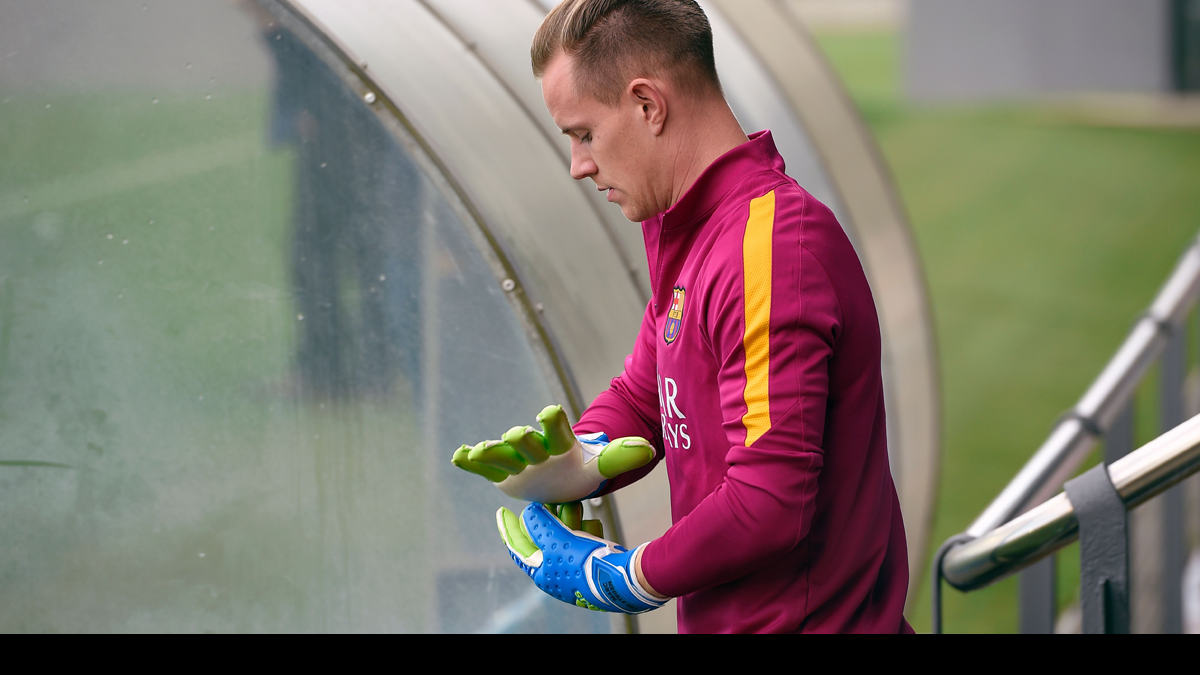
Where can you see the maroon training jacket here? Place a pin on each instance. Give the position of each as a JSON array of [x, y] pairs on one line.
[[756, 374]]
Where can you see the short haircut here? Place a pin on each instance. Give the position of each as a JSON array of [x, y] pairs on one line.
[[616, 41]]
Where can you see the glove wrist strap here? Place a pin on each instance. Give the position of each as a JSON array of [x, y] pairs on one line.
[[636, 583], [611, 578]]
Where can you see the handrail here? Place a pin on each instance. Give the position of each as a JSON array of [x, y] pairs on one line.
[[1138, 477], [1077, 431]]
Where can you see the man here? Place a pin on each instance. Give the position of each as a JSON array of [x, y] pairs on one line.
[[756, 372]]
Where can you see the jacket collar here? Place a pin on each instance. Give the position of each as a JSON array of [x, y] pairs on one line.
[[756, 155]]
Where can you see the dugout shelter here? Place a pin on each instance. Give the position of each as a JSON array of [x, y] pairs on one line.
[[267, 262]]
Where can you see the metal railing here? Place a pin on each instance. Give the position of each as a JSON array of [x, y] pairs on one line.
[[1052, 525], [1001, 540]]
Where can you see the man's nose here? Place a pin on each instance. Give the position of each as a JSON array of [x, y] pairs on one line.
[[582, 165]]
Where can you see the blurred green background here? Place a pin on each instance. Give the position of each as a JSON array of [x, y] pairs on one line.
[[1044, 234]]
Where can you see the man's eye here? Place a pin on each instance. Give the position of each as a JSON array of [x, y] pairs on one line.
[[587, 138]]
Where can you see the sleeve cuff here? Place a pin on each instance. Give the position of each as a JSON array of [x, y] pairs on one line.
[[637, 583]]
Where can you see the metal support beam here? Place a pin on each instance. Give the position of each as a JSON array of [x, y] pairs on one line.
[[1174, 365], [1103, 551], [1038, 605], [1118, 442]]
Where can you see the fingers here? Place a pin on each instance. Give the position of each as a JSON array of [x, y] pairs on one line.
[[557, 429], [462, 460], [497, 455], [624, 454], [571, 514], [519, 447], [529, 444], [594, 528], [513, 531]]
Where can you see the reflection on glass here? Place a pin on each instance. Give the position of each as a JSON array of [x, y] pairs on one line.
[[239, 331]]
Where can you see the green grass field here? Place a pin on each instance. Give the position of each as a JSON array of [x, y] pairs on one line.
[[1042, 241]]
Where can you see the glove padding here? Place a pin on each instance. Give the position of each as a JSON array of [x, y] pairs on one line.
[[553, 466], [574, 567]]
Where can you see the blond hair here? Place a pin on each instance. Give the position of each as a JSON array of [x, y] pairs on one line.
[[615, 41]]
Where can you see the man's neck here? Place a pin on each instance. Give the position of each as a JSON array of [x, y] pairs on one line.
[[707, 131]]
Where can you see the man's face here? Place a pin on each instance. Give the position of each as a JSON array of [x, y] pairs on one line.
[[612, 145]]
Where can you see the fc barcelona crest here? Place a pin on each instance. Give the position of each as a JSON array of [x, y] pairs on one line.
[[675, 316]]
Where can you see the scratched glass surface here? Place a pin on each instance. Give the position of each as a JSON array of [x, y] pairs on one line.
[[240, 333]]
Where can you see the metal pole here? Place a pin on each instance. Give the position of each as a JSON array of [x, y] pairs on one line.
[[1143, 558], [1103, 551], [1038, 601], [1118, 442], [1038, 608], [1174, 364], [1140, 476], [937, 577], [1073, 437], [1095, 415]]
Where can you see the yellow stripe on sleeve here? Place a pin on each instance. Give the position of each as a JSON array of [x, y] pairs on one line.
[[756, 294]]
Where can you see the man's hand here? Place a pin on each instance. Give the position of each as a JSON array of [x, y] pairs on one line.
[[574, 567], [553, 466]]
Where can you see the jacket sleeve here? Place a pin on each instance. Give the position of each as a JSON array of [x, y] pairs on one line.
[[772, 318], [629, 407]]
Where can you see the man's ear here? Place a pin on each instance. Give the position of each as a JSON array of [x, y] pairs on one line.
[[648, 96]]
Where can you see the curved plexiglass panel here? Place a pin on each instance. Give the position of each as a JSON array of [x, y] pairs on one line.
[[241, 323]]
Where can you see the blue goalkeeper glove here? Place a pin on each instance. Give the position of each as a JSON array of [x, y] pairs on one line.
[[572, 566]]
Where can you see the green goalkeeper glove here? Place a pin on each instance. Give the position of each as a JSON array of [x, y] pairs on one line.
[[553, 466]]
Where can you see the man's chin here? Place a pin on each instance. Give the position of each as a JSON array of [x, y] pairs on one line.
[[635, 214]]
